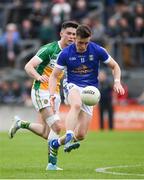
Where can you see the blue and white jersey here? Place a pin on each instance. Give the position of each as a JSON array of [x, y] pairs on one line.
[[82, 68]]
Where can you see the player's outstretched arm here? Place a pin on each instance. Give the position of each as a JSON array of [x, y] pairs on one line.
[[117, 76]]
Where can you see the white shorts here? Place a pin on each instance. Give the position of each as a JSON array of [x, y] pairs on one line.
[[67, 87], [40, 99]]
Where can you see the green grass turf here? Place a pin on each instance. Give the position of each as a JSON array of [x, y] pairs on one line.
[[25, 156]]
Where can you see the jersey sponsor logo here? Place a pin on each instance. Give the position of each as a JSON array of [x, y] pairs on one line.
[[83, 69]]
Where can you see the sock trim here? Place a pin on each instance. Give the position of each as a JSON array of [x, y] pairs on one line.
[[69, 132]]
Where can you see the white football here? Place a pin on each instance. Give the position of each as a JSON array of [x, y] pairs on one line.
[[90, 95]]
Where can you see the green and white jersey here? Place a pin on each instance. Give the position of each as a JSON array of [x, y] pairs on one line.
[[48, 57]]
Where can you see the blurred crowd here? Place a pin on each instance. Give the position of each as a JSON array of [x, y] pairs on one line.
[[22, 20], [15, 92], [26, 20]]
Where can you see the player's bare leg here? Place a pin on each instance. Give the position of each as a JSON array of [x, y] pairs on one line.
[[42, 129], [82, 126], [71, 122]]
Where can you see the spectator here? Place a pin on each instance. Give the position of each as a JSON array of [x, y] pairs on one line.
[[9, 46], [87, 21], [27, 92], [60, 12], [124, 28], [11, 28], [47, 32], [125, 31], [80, 9], [112, 28], [139, 10], [16, 92], [98, 30], [26, 30], [138, 27], [17, 12], [37, 14], [112, 31], [106, 101], [6, 93], [139, 33]]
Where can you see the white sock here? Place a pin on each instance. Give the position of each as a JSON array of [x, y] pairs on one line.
[[19, 124], [69, 132]]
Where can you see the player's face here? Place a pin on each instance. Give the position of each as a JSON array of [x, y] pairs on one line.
[[81, 44], [68, 35]]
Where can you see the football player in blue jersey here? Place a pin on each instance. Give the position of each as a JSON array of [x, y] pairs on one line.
[[82, 60]]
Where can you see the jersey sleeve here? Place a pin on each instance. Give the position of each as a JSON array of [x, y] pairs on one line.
[[61, 60], [43, 54], [104, 55]]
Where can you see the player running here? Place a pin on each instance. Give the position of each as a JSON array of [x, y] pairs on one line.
[[40, 68], [81, 60]]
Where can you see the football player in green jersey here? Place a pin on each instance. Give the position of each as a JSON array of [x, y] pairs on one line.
[[39, 68]]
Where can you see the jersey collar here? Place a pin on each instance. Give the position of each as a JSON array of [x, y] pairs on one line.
[[59, 45]]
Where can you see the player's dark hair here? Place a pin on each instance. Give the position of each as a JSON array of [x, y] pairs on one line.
[[68, 24], [83, 31]]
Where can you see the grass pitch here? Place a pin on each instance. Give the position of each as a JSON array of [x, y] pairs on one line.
[[25, 157]]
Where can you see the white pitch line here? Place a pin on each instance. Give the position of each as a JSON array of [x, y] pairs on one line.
[[104, 170]]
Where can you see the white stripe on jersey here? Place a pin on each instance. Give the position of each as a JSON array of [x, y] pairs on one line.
[[38, 58], [108, 60]]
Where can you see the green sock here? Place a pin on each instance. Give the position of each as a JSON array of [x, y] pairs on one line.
[[25, 124]]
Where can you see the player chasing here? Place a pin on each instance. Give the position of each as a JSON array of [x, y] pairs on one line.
[[81, 60], [40, 68]]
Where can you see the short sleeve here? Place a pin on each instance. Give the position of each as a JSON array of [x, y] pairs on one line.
[[104, 55], [61, 60], [43, 53]]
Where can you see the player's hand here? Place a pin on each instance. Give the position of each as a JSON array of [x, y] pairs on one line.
[[118, 88], [43, 78], [52, 102]]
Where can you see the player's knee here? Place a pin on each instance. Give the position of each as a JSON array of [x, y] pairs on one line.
[[77, 106], [56, 127], [53, 120]]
